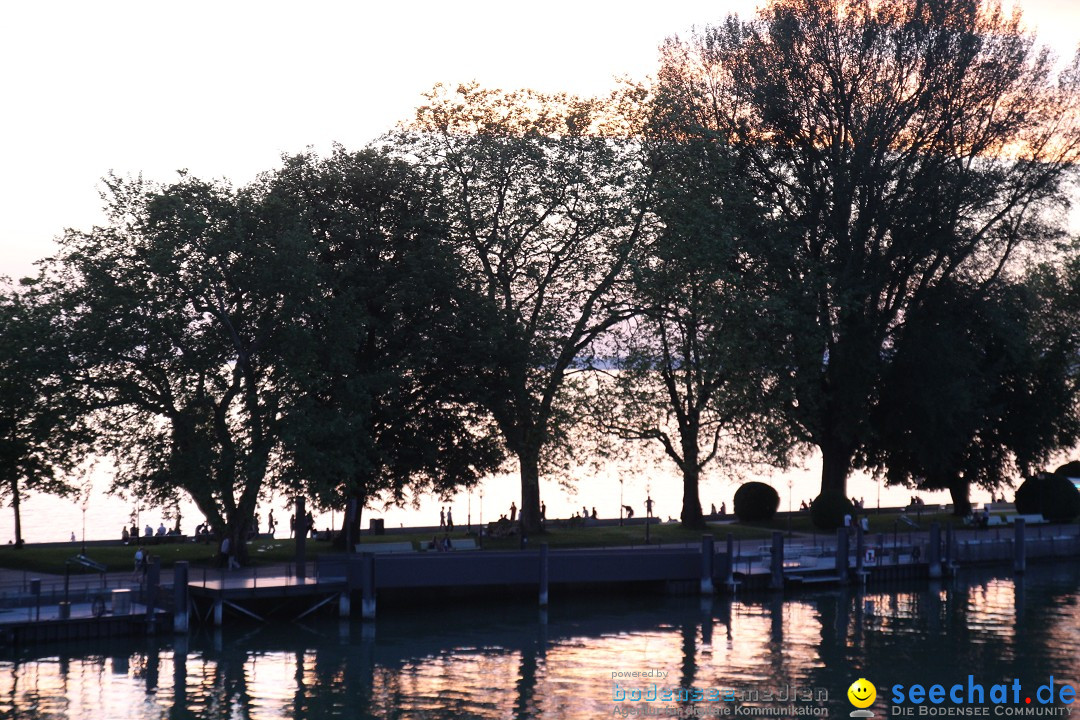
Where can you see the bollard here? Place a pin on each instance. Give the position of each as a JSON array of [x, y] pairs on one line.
[[707, 560], [543, 575], [776, 579], [933, 551], [180, 596], [1021, 557]]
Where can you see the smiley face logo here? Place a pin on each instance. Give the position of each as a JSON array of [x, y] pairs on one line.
[[862, 693]]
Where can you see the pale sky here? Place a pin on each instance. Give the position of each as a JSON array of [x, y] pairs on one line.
[[223, 88]]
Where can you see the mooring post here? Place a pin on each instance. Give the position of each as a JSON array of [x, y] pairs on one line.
[[859, 549], [950, 548], [842, 554], [707, 561], [153, 582], [344, 604], [219, 608], [180, 596], [776, 579], [301, 537], [543, 575], [367, 576], [729, 578], [1021, 555], [933, 550]]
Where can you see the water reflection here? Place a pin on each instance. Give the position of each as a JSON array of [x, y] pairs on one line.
[[509, 662]]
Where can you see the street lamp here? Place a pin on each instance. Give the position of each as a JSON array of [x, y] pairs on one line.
[[790, 484], [85, 505], [648, 511]]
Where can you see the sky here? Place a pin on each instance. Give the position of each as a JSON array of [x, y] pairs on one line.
[[223, 88]]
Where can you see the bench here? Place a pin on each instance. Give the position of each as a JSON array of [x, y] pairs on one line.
[[387, 547], [1028, 519]]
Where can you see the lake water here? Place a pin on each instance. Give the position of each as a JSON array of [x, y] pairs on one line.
[[795, 657], [51, 519]]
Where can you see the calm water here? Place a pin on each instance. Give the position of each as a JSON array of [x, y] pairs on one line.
[[507, 662]]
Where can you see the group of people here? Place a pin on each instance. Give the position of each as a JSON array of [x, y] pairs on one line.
[[133, 535], [446, 518]]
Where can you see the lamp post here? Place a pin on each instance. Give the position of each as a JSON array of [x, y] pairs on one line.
[[648, 511], [790, 484], [85, 504], [468, 514]]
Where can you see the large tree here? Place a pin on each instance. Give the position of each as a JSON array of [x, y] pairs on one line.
[[900, 146], [548, 201], [686, 371], [177, 312], [981, 388], [42, 439], [384, 398]]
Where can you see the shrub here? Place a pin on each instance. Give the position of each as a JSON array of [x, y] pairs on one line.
[[829, 508], [1051, 494], [1069, 470], [756, 502]]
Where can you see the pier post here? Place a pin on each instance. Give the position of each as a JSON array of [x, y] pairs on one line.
[[776, 579], [950, 549], [730, 574], [301, 538], [860, 550], [842, 554], [219, 610], [344, 604], [1020, 565], [367, 576], [180, 596], [543, 575], [153, 582], [933, 551], [707, 559]]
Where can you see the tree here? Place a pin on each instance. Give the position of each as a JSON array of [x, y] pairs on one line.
[[548, 201], [41, 437], [177, 313], [996, 398], [686, 372], [384, 384], [900, 147]]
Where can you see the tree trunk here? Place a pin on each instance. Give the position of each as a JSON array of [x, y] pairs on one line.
[[529, 513], [959, 489], [691, 515], [15, 500], [835, 466]]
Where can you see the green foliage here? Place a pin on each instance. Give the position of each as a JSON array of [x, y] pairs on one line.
[[42, 436], [547, 204], [756, 502], [1051, 494], [385, 375], [828, 510], [894, 145]]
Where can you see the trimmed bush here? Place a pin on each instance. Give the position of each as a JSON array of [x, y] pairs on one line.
[[828, 510], [1069, 470], [1050, 494], [756, 502]]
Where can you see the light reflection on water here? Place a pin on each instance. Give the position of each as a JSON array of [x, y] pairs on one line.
[[504, 662]]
